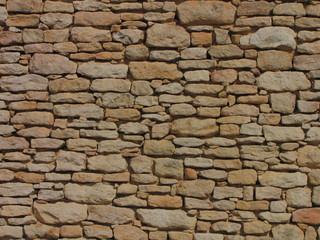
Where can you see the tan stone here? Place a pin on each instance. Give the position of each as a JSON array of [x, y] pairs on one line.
[[227, 75], [28, 6], [308, 157], [76, 110], [274, 60], [240, 110], [287, 232], [154, 70], [283, 180], [243, 177], [197, 188], [165, 201], [33, 118], [306, 62], [8, 38], [96, 18], [98, 231], [127, 232], [39, 230], [57, 20], [226, 51], [29, 177], [128, 36], [256, 227], [90, 34], [13, 143], [107, 163], [103, 70], [11, 232], [46, 143], [71, 231], [60, 213], [283, 134], [123, 114], [194, 127], [110, 214], [170, 36], [191, 13], [255, 8], [70, 161]]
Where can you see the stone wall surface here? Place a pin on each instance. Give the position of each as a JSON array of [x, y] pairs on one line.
[[178, 120]]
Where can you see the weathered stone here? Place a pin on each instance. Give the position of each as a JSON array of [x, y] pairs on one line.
[[28, 6], [117, 100], [240, 110], [9, 57], [166, 219], [75, 110], [308, 157], [98, 231], [258, 153], [128, 36], [103, 70], [81, 144], [8, 38], [165, 201], [99, 193], [208, 236], [306, 62], [283, 180], [33, 118], [13, 69], [194, 127], [29, 82], [13, 143], [109, 163], [227, 192], [76, 85], [191, 13], [226, 51], [115, 85], [255, 8], [57, 20], [221, 76], [110, 214], [127, 232], [299, 197], [283, 134], [167, 167], [96, 18], [39, 230], [197, 188], [283, 81], [11, 232], [90, 34], [287, 231], [274, 37], [60, 213], [123, 114], [137, 52], [274, 60], [158, 148], [154, 70], [70, 161], [115, 146], [164, 35], [243, 177], [51, 64]]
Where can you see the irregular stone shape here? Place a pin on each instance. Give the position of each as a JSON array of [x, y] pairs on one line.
[[99, 193], [13, 143], [259, 153], [98, 231], [309, 48], [96, 18], [127, 232], [166, 219], [197, 188], [117, 100], [194, 127], [290, 9], [313, 134], [70, 161], [168, 36], [110, 215], [165, 201], [57, 20], [154, 70], [11, 232], [282, 232], [225, 51], [306, 62], [255, 8], [168, 167], [283, 134], [128, 36], [30, 82], [60, 213], [72, 85], [76, 110], [274, 60], [277, 100], [13, 69], [243, 177], [116, 146], [283, 179], [307, 216], [90, 34], [158, 148], [137, 52], [9, 57], [107, 163], [39, 230], [33, 118], [133, 128], [114, 85], [274, 37], [224, 76], [51, 64], [208, 236], [299, 197], [240, 110], [16, 189], [206, 13], [103, 70], [25, 6], [283, 81], [308, 156]]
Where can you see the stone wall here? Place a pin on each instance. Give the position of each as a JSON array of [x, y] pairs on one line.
[[178, 120]]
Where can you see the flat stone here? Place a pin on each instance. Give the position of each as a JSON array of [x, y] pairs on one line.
[[283, 134], [98, 231], [70, 161], [274, 60], [90, 34], [107, 163], [154, 70], [103, 70], [13, 143], [28, 6], [169, 36], [33, 118], [258, 153], [191, 13], [158, 148], [13, 69], [282, 232], [283, 81], [208, 236], [60, 213], [194, 127], [197, 188], [168, 167], [8, 38], [31, 82], [128, 36], [283, 180], [299, 197], [96, 18], [255, 8], [9, 57], [306, 62], [117, 100], [243, 177], [76, 110], [51, 64], [127, 232], [123, 114], [71, 85], [116, 146], [225, 51], [57, 20], [39, 230], [11, 232], [16, 189], [110, 215], [99, 193], [166, 219]]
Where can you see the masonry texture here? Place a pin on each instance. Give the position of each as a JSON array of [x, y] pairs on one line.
[[160, 120]]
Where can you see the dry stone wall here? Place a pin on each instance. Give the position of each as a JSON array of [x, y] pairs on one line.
[[178, 120]]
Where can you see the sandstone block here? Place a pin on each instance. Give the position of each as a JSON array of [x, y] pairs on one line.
[[103, 70], [70, 161], [76, 110], [194, 127], [243, 177], [197, 188], [308, 157], [127, 232], [283, 134], [96, 18], [90, 34], [110, 214], [158, 148], [168, 167], [287, 231], [283, 180], [107, 163]]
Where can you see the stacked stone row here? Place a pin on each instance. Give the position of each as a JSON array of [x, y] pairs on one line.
[[178, 120]]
